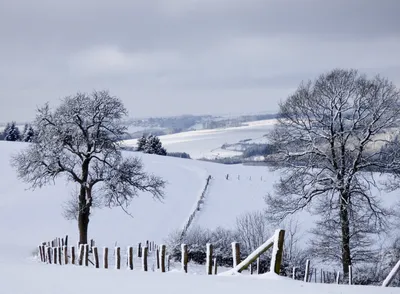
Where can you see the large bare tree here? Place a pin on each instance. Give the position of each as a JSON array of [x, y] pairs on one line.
[[80, 139], [332, 135]]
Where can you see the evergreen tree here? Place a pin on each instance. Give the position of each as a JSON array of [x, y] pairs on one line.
[[141, 143], [29, 134], [12, 133], [154, 146]]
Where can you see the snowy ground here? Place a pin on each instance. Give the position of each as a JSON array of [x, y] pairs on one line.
[[207, 143], [30, 217]]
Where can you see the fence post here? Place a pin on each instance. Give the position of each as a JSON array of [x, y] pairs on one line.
[[235, 253], [65, 250], [350, 275], [86, 247], [81, 252], [337, 277], [105, 257], [209, 258], [73, 255], [130, 257], [66, 240], [48, 249], [96, 256], [55, 255], [277, 251], [258, 266], [40, 253], [294, 273], [117, 257], [307, 273], [157, 257], [59, 255], [184, 258], [215, 266], [162, 257], [139, 250], [144, 258]]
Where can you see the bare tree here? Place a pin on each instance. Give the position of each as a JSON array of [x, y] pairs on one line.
[[252, 229], [79, 139], [331, 135]]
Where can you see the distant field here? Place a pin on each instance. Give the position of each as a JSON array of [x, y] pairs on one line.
[[207, 143]]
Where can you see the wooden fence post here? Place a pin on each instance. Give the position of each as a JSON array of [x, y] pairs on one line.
[[139, 250], [55, 255], [48, 249], [130, 257], [65, 251], [40, 253], [144, 258], [337, 277], [209, 258], [307, 273], [73, 254], [105, 257], [96, 256], [294, 273], [162, 258], [258, 266], [86, 250], [81, 254], [157, 257], [66, 240], [215, 266], [59, 256], [117, 257], [235, 253], [277, 251], [350, 275], [184, 258]]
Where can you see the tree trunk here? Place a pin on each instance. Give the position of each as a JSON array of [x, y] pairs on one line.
[[83, 216], [345, 226]]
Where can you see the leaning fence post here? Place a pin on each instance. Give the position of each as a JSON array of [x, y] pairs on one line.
[[117, 257], [130, 257], [350, 275], [162, 257], [96, 256], [73, 255], [105, 257], [184, 258], [235, 253], [209, 258], [307, 273], [65, 250], [144, 258]]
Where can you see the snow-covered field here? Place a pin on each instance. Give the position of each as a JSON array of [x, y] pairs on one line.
[[207, 143], [30, 217]]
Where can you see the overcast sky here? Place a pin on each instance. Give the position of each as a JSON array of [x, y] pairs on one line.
[[168, 57]]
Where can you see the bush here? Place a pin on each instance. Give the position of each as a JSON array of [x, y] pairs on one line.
[[179, 154]]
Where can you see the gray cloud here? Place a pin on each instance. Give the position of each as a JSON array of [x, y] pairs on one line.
[[187, 56]]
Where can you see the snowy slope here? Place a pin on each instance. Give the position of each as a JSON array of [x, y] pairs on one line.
[[29, 217], [207, 143]]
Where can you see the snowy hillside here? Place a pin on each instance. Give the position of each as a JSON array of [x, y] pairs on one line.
[[208, 143], [29, 217]]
